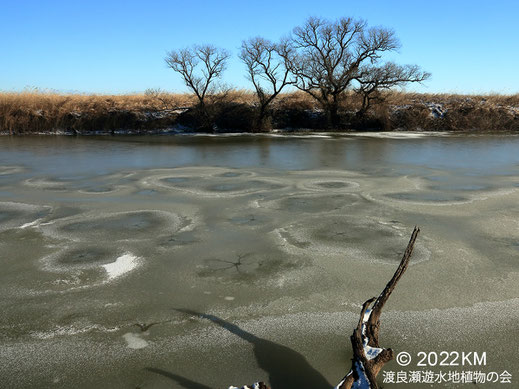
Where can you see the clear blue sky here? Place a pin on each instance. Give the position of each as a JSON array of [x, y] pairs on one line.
[[118, 46]]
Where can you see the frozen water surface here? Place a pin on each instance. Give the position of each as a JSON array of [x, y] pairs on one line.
[[210, 261]]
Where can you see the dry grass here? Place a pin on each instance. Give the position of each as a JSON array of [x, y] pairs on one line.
[[43, 112], [403, 98], [47, 112], [69, 103]]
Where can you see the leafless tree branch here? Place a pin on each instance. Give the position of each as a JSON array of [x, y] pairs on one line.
[[327, 58], [199, 66], [373, 79], [266, 70]]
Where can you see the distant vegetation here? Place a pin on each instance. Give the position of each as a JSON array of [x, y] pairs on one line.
[[157, 111], [326, 75]]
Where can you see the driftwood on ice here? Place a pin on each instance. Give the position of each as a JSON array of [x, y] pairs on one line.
[[368, 357]]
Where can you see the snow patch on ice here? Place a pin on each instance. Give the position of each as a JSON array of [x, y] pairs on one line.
[[71, 330], [398, 134], [122, 265], [134, 341], [30, 224]]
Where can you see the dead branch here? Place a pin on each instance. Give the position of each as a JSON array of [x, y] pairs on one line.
[[368, 356]]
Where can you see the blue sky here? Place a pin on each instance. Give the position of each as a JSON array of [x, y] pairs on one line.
[[119, 46]]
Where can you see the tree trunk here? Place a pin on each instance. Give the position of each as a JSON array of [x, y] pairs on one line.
[[205, 119], [261, 123], [332, 115], [364, 108]]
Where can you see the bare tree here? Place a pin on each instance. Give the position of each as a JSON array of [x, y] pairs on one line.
[[267, 71], [326, 58], [200, 68], [372, 80]]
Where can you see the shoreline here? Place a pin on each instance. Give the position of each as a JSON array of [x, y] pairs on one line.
[[276, 133]]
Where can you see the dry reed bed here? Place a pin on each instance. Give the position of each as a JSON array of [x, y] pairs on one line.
[[37, 112]]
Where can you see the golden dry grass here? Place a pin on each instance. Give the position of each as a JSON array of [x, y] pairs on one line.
[[36, 110], [59, 102], [402, 98], [42, 111], [157, 100]]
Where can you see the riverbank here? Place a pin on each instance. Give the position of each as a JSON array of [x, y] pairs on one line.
[[159, 112]]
